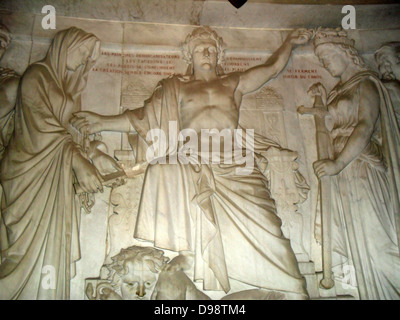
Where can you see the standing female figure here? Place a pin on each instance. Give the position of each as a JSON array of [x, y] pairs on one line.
[[364, 169], [39, 218]]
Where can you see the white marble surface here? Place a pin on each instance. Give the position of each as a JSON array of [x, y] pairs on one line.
[[158, 28]]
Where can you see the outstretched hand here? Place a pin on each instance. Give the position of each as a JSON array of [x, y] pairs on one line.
[[87, 122], [301, 36], [105, 164]]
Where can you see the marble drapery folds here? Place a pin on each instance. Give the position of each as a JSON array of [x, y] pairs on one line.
[[39, 222], [228, 220], [6, 115], [365, 195]]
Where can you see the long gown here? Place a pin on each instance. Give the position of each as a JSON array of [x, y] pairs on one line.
[[364, 202], [39, 238]]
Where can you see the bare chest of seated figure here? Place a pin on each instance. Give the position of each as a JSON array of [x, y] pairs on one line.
[[208, 105]]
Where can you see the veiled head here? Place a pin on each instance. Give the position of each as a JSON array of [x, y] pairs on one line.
[[70, 49], [79, 56]]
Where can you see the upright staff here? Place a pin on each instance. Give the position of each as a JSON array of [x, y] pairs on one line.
[[324, 150]]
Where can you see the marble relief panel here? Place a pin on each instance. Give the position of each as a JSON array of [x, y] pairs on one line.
[[170, 249]]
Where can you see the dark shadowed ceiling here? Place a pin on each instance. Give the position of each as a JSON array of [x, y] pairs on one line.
[[333, 2]]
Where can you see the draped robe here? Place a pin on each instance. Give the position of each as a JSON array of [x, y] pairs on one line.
[[393, 87], [365, 194], [39, 238], [227, 219]]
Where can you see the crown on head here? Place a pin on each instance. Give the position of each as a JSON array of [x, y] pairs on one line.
[[203, 32], [335, 36]]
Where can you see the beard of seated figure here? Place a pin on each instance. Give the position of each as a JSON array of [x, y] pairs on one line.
[[3, 47], [4, 39], [388, 60]]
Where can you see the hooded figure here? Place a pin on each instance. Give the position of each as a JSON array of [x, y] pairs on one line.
[[39, 224]]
